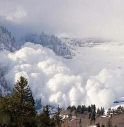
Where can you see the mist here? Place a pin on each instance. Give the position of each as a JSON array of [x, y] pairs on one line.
[[80, 18]]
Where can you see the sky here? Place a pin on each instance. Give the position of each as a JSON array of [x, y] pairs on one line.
[[83, 18]]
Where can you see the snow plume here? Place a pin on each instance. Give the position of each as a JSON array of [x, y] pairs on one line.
[[48, 77], [54, 82], [103, 88]]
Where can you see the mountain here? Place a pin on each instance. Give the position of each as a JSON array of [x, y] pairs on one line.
[[117, 103], [4, 85], [82, 42], [49, 41], [7, 40], [62, 46]]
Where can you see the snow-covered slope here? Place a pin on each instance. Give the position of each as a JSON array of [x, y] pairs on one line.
[[7, 41], [49, 41], [4, 85], [62, 46], [117, 103]]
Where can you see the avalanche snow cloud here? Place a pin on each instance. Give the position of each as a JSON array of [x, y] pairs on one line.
[[52, 80], [48, 77]]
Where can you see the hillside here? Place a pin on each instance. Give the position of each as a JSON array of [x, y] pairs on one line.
[[7, 40]]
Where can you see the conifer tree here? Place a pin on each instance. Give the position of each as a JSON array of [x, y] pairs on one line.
[[23, 106]]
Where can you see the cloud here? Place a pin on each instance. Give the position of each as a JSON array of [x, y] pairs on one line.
[[82, 18], [16, 16]]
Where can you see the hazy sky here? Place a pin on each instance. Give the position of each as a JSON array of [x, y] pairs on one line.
[[99, 18]]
